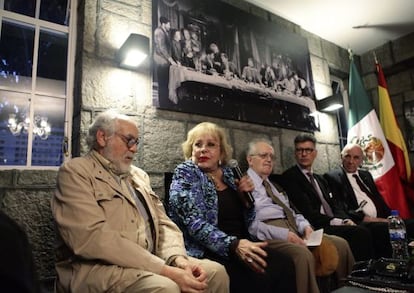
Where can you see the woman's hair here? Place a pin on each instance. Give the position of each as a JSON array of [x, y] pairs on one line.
[[214, 130], [105, 121]]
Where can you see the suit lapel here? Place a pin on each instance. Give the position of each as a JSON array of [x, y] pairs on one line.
[[366, 181], [349, 191], [308, 186], [325, 192], [380, 204]]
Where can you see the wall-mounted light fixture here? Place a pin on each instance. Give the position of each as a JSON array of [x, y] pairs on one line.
[[330, 104], [134, 52]]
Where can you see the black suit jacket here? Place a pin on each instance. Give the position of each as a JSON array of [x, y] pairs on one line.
[[306, 198], [342, 189]]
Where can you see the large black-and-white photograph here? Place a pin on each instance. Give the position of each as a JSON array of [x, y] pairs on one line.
[[409, 122], [213, 59]]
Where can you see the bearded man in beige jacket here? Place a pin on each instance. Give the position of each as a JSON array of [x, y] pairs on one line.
[[113, 233]]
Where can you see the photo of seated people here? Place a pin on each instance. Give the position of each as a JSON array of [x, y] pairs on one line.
[[208, 63]]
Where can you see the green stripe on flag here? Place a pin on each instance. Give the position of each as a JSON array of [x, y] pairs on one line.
[[359, 102]]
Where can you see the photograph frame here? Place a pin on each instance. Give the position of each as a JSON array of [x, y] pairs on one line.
[[263, 73], [408, 108]]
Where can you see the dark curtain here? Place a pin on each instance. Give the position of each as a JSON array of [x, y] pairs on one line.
[[169, 9]]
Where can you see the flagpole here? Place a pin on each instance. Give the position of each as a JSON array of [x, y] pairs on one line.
[[375, 57], [351, 55]]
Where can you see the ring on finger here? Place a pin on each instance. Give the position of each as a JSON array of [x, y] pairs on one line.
[[249, 260]]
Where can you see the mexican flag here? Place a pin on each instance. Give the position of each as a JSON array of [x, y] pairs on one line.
[[365, 130]]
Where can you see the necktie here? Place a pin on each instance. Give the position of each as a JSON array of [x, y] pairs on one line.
[[276, 200], [365, 189], [325, 205], [361, 185]]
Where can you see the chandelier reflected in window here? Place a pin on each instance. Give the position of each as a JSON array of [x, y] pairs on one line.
[[41, 127]]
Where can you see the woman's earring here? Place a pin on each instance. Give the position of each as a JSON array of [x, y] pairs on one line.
[[219, 162]]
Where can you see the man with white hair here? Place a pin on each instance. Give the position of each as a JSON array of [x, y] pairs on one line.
[[277, 222], [113, 232], [310, 194], [356, 191]]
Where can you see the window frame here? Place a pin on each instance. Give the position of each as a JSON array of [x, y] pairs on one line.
[[42, 25]]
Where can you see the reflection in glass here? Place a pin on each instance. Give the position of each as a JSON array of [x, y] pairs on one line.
[[47, 149], [52, 46], [56, 11], [33, 99], [14, 109], [26, 7], [16, 54]]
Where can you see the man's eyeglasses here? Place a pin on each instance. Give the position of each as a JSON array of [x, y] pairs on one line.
[[264, 155], [130, 141], [304, 150]]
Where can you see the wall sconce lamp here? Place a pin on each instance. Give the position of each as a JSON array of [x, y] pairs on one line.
[[330, 104], [134, 52]]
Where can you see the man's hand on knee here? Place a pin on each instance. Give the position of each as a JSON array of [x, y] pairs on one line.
[[190, 279]]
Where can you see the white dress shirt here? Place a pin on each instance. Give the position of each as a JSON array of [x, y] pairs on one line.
[[369, 209]]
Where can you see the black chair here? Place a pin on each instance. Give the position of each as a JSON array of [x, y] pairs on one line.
[[17, 269], [167, 182]]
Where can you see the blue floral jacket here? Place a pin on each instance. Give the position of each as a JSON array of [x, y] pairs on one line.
[[193, 207]]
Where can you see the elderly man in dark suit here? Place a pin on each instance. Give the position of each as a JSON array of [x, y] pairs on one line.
[[355, 189], [310, 194]]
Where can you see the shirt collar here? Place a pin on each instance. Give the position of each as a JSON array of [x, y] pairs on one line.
[[304, 171], [257, 180]]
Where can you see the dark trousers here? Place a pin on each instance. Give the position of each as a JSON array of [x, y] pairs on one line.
[[163, 75], [409, 225], [17, 269], [279, 276], [381, 238], [359, 239]]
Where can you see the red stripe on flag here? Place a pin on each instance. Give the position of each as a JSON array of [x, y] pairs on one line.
[[399, 159], [381, 77], [393, 192], [391, 129]]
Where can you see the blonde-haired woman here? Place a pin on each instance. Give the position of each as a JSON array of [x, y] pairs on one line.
[[205, 202]]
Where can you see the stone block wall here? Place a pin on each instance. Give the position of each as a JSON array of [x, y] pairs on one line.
[[101, 84], [25, 197], [397, 61]]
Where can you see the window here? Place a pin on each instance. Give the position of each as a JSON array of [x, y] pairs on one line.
[[36, 68]]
